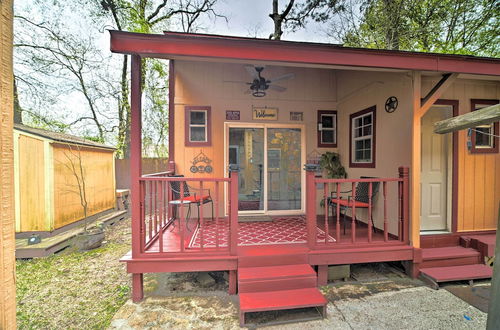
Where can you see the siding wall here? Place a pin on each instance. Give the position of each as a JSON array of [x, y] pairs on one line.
[[347, 91], [203, 83], [479, 174], [31, 176]]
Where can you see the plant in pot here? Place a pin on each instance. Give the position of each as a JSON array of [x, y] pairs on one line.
[[332, 167], [89, 238]]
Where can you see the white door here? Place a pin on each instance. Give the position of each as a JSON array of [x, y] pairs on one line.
[[436, 167]]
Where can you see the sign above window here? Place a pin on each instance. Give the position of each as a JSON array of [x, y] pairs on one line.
[[265, 114]]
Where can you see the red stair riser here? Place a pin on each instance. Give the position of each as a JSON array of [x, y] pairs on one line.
[[272, 260], [278, 285], [451, 262], [274, 272], [279, 300]]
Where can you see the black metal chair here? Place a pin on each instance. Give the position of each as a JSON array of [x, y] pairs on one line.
[[188, 198], [361, 199]]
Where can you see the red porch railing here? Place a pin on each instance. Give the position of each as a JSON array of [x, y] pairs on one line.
[[391, 228], [166, 228]]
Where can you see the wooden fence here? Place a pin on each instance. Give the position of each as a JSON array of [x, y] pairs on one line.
[[149, 166]]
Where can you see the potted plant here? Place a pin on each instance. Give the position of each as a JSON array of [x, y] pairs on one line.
[[332, 167], [89, 238]]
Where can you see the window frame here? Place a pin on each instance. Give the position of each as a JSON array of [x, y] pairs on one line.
[[321, 144], [188, 125], [373, 111], [484, 150]]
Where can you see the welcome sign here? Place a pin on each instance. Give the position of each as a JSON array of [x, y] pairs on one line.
[[265, 114]]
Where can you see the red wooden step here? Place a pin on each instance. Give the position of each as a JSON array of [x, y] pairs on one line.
[[448, 252], [449, 256], [280, 300], [274, 272], [457, 273], [274, 278]]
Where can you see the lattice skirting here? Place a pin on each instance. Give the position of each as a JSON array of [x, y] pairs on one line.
[[282, 230]]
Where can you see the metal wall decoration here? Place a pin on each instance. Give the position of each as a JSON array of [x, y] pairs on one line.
[[232, 115], [201, 164], [296, 116], [391, 104]]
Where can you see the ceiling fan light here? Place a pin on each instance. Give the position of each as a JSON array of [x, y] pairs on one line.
[[259, 93]]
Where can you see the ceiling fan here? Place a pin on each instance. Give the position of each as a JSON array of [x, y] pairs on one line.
[[259, 85]]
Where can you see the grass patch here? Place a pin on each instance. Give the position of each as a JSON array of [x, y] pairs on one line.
[[74, 290]]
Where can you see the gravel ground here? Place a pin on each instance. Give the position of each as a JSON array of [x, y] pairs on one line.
[[383, 299], [91, 290]]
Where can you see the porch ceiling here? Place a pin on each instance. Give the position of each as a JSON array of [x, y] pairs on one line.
[[213, 48]]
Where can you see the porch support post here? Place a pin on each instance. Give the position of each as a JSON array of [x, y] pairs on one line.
[[311, 204], [420, 107], [233, 279], [135, 155], [233, 208], [322, 275], [415, 161], [137, 287]]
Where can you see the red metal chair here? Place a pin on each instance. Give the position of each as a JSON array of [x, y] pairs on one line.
[[361, 199], [188, 198]]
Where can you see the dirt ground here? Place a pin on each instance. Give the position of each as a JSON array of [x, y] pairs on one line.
[[72, 289], [379, 297]]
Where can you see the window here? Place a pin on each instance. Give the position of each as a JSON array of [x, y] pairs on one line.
[[197, 126], [327, 129], [362, 138], [482, 137]]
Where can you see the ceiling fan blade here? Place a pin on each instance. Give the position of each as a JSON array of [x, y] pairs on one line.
[[277, 88], [237, 82], [283, 77], [251, 71]]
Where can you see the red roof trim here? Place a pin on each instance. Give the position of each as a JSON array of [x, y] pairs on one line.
[[210, 46]]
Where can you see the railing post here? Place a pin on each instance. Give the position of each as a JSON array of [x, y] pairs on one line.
[[404, 173], [233, 209], [311, 204]]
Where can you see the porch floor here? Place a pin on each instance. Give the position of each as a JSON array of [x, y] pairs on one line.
[[282, 230]]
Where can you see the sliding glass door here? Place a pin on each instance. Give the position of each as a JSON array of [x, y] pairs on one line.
[[270, 159]]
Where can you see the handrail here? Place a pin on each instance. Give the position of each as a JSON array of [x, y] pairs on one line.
[[330, 195], [157, 174], [191, 224], [181, 178], [325, 180]]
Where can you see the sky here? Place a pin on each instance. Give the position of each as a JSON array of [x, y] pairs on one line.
[[250, 18]]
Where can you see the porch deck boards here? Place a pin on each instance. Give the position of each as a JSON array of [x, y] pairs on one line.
[[172, 238]]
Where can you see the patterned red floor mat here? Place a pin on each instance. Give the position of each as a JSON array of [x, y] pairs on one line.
[[287, 230]]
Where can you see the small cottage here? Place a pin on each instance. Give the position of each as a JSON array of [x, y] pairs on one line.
[[47, 194]]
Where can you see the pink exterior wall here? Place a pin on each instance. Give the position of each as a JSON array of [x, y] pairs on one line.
[[347, 91]]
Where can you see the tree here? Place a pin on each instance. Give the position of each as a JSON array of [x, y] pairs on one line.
[[443, 26], [54, 62], [296, 15], [150, 16]]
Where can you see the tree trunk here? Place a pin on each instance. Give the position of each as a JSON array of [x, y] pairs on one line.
[[18, 111], [7, 240]]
